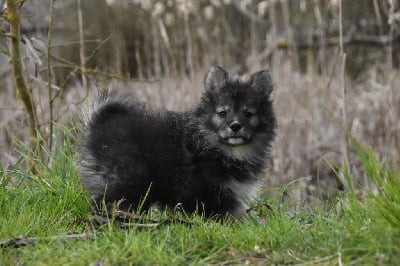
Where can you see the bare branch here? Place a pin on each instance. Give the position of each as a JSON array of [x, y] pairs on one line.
[[104, 220], [49, 85], [82, 46], [349, 39], [13, 18], [23, 241]]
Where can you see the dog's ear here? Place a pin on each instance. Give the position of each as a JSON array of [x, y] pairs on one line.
[[261, 82], [215, 78]]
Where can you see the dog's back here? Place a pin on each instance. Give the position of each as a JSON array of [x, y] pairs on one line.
[[128, 150]]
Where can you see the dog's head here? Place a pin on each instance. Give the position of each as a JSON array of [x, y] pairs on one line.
[[237, 111]]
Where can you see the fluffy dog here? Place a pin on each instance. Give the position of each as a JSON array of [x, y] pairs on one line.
[[210, 159]]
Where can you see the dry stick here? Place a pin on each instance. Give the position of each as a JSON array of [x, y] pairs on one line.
[[82, 47], [189, 54], [105, 220], [392, 102], [289, 34], [66, 44], [345, 147], [351, 37], [13, 17], [322, 40], [49, 75], [157, 61], [23, 241], [378, 16], [313, 261], [273, 34]]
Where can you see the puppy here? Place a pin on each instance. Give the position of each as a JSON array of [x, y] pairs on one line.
[[210, 159]]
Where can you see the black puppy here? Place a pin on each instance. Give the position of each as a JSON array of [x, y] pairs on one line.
[[209, 159]]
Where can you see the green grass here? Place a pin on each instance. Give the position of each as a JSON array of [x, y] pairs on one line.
[[361, 230]]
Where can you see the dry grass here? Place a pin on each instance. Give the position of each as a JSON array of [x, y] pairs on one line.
[[307, 108]]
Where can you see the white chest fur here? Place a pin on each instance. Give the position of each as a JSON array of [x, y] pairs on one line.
[[244, 193]]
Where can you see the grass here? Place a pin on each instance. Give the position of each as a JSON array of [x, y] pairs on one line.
[[363, 230]]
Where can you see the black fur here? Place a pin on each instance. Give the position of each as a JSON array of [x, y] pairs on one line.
[[210, 158]]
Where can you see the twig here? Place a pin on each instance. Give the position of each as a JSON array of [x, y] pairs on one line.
[[351, 38], [333, 71], [345, 148], [64, 44], [268, 206], [189, 54], [133, 216], [23, 241], [391, 81], [82, 46], [340, 263], [105, 220], [49, 87], [294, 57], [13, 17], [378, 16], [246, 260], [134, 220], [316, 260]]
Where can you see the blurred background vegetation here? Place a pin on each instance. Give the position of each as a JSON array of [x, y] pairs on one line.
[[162, 49]]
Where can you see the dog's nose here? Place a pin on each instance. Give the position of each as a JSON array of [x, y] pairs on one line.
[[235, 126]]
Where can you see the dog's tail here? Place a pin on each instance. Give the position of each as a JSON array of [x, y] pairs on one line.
[[104, 98], [92, 106]]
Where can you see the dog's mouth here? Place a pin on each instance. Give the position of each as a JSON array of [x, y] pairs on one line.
[[235, 140]]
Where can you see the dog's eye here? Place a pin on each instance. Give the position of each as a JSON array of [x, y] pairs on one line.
[[248, 113], [222, 113]]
